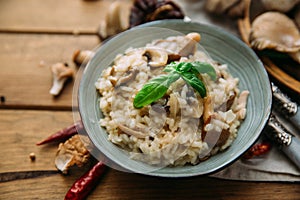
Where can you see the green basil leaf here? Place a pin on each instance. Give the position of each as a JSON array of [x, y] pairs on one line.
[[184, 67], [170, 67], [155, 89], [195, 82], [203, 67]]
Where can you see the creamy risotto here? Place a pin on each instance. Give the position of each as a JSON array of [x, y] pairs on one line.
[[184, 125]]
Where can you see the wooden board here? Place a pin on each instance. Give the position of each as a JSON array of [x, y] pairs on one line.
[[61, 16], [21, 129], [25, 76]]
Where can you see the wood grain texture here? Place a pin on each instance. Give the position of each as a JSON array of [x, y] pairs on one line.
[[21, 129], [62, 16], [25, 76]]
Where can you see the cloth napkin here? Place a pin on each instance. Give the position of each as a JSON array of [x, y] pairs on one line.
[[274, 166]]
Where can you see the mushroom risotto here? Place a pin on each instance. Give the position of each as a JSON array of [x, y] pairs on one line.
[[169, 103]]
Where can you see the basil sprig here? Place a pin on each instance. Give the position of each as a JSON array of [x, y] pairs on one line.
[[157, 87]]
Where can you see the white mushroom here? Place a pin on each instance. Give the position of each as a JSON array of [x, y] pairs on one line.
[[242, 102], [129, 131], [208, 109], [174, 105], [61, 73], [130, 75], [157, 57], [116, 20], [82, 57], [274, 30], [279, 5], [72, 152]]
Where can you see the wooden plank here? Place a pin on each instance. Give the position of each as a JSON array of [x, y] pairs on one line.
[[25, 76], [60, 15], [20, 130], [120, 185]]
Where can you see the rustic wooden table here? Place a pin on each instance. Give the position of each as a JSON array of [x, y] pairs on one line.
[[34, 35]]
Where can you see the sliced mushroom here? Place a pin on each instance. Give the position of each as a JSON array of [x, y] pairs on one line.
[[208, 111], [242, 102], [157, 57], [174, 105], [61, 73], [129, 131], [181, 46], [274, 30], [279, 5], [215, 138], [72, 152], [130, 75]]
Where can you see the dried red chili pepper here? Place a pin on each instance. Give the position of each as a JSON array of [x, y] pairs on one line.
[[63, 134], [86, 183], [257, 150]]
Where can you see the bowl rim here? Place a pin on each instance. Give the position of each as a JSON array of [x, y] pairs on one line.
[[161, 24]]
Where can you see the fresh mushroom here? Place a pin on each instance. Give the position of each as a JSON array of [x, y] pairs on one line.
[[82, 57], [157, 57], [212, 137], [274, 30], [61, 73], [72, 152], [116, 20], [279, 5]]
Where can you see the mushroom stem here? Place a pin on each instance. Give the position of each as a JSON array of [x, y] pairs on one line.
[[61, 73]]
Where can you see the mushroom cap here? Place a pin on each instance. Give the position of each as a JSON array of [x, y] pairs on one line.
[[279, 5], [274, 30]]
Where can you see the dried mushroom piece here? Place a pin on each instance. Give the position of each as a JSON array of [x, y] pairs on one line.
[[61, 73], [70, 153], [144, 11], [274, 30]]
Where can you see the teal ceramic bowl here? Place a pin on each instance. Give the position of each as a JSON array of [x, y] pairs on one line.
[[222, 47]]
